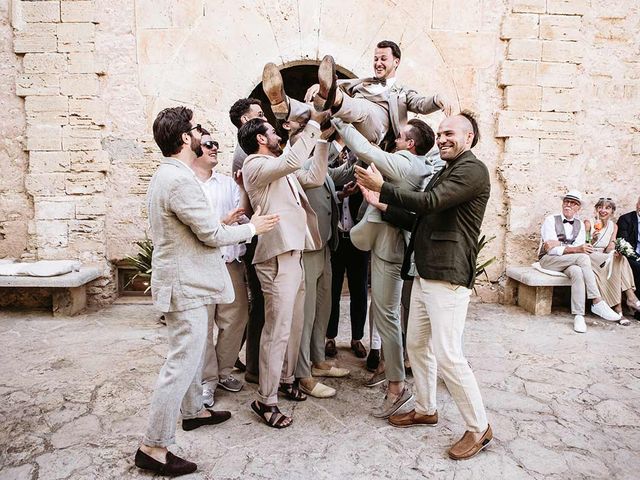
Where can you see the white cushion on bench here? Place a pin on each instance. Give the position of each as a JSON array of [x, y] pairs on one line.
[[535, 278], [43, 268]]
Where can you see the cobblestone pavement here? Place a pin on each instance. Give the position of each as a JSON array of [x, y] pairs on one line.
[[74, 394]]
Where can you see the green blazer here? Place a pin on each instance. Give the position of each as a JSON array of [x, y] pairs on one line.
[[449, 217]]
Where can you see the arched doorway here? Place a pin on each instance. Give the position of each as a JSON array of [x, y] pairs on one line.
[[297, 79]]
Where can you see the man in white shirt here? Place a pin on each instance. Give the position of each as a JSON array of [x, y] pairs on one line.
[[564, 250], [228, 205]]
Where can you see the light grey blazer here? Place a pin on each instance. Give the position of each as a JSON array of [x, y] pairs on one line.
[[188, 270], [402, 169]]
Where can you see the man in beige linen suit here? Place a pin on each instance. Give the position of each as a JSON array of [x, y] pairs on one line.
[[274, 182], [189, 277]]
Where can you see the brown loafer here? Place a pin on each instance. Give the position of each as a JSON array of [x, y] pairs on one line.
[[470, 444], [323, 100], [358, 349], [413, 419], [215, 418], [273, 87], [174, 467], [330, 349]]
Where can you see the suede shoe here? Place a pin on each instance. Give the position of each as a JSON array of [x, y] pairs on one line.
[[323, 100], [413, 419], [330, 349], [214, 419], [174, 467], [358, 349], [373, 359], [470, 444], [231, 384], [273, 87], [376, 379], [389, 406]]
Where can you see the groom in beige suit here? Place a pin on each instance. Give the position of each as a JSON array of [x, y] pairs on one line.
[[274, 183], [189, 277]]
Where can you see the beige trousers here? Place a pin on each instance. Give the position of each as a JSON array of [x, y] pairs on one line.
[[282, 280], [435, 330], [620, 280], [576, 266], [231, 320]]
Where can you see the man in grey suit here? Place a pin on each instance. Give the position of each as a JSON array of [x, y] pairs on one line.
[[407, 168], [376, 106], [189, 277]]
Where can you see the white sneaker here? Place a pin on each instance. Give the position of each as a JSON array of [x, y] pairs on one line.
[[604, 311], [207, 397], [579, 325]]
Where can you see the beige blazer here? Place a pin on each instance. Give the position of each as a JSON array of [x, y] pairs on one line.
[[398, 100], [276, 184], [188, 270]]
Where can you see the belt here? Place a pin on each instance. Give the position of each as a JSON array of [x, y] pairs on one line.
[[344, 234]]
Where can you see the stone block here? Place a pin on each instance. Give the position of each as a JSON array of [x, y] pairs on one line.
[[448, 15], [567, 7], [517, 73], [561, 100], [466, 48], [524, 49], [82, 62], [520, 25], [78, 11], [521, 145], [47, 109], [45, 184], [91, 161], [41, 162], [523, 97], [55, 208], [529, 6], [535, 300], [556, 74], [76, 37], [560, 147], [85, 183], [81, 138], [560, 27], [562, 51], [44, 63], [26, 42], [37, 84], [52, 233], [87, 111], [80, 84], [154, 44], [69, 301], [536, 125], [88, 208], [41, 11], [44, 137]]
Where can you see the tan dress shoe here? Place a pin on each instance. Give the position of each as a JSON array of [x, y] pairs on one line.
[[273, 87], [331, 372], [470, 444], [413, 419], [320, 390]]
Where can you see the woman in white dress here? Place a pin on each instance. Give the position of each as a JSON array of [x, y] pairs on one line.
[[612, 270]]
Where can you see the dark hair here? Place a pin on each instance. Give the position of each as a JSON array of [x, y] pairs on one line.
[[247, 134], [469, 115], [168, 128], [395, 49], [240, 108], [422, 135]]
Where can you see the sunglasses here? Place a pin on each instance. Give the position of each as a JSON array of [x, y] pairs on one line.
[[605, 198], [197, 127], [210, 144]]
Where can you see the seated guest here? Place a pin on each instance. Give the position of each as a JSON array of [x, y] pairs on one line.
[[564, 249], [629, 229], [612, 270]]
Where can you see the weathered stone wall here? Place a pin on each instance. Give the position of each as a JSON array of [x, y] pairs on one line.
[[555, 84]]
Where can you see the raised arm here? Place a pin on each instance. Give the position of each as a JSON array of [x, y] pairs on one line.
[[420, 104], [315, 170]]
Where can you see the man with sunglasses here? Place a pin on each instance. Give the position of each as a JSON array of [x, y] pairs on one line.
[[188, 279], [564, 249], [228, 204]]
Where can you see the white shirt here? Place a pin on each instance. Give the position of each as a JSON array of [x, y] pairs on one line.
[[346, 222], [224, 195], [378, 88], [548, 232]]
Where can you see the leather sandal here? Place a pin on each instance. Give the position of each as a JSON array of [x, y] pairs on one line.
[[292, 392], [277, 418]]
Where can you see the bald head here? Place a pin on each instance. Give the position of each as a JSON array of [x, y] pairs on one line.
[[456, 135]]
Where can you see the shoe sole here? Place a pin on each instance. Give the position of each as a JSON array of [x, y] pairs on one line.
[[395, 409], [273, 87], [229, 389], [323, 100], [370, 385], [414, 425], [482, 447]]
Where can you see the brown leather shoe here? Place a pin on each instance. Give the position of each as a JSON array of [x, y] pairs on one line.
[[174, 467], [214, 418], [323, 100], [273, 87], [470, 444], [413, 419]]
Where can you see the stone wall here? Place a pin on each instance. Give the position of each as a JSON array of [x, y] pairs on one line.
[[555, 84]]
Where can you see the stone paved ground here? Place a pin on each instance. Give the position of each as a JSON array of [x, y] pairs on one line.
[[74, 395]]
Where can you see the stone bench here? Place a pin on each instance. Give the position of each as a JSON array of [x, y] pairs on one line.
[[535, 289], [69, 291]]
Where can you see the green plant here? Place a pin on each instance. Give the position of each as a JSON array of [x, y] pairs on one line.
[[142, 261], [481, 267]]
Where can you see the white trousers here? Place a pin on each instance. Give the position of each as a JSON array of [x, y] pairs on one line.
[[434, 340]]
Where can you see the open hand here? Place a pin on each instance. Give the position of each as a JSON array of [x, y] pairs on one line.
[[444, 103], [264, 223], [233, 216], [373, 198], [311, 92], [370, 178]]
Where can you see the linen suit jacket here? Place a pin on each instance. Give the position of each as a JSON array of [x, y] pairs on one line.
[[188, 270], [628, 229], [402, 169], [450, 213], [268, 186], [398, 100], [323, 201]]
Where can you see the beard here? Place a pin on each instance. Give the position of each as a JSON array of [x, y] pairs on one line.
[[275, 149], [195, 147]]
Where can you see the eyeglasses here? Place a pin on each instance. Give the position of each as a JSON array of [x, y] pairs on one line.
[[197, 127], [210, 144]]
